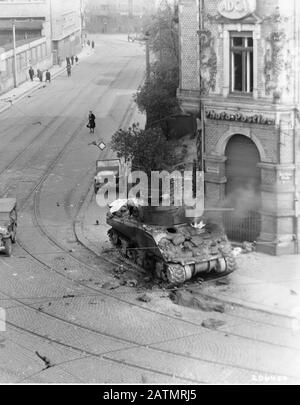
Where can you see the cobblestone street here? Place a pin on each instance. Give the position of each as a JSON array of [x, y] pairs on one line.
[[68, 318]]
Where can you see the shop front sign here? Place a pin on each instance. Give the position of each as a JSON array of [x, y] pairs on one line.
[[239, 117]]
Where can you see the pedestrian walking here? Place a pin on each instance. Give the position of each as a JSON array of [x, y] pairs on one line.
[[48, 76], [93, 44], [88, 42], [68, 61], [31, 73], [92, 123], [39, 74], [76, 59], [72, 59], [69, 70]]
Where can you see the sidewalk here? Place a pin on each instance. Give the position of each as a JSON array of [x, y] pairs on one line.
[[266, 283], [24, 89]]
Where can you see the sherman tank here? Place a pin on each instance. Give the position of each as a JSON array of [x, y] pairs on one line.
[[163, 241]]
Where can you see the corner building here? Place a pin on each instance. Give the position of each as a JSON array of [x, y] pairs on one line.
[[240, 75]]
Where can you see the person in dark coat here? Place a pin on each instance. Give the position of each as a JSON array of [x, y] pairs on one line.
[[31, 73], [68, 60], [76, 59], [88, 42], [92, 123], [48, 76], [72, 59], [69, 70], [93, 44]]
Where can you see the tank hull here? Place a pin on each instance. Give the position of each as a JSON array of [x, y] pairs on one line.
[[176, 253]]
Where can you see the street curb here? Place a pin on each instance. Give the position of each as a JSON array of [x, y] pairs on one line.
[[35, 88], [79, 222], [30, 91]]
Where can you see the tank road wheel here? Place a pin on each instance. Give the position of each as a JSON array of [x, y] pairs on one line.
[[231, 263], [132, 255], [8, 247], [14, 234], [226, 265], [113, 237], [140, 258], [124, 247], [176, 274], [160, 271], [149, 263], [221, 266]]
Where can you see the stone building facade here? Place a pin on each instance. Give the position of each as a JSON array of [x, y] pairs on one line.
[[66, 27], [240, 75]]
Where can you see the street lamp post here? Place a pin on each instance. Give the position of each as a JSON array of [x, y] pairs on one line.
[[14, 54]]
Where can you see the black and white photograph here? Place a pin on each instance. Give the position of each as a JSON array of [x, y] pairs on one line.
[[149, 195]]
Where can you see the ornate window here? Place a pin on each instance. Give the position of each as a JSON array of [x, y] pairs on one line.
[[241, 59]]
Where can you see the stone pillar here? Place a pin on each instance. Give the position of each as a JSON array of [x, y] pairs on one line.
[[278, 210], [189, 91]]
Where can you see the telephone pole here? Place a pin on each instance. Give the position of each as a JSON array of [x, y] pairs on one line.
[[14, 54]]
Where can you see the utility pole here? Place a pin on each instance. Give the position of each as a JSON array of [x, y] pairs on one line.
[[81, 19], [51, 31], [147, 56], [14, 54], [202, 135]]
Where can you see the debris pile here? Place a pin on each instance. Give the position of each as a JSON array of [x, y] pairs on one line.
[[189, 242], [193, 300]]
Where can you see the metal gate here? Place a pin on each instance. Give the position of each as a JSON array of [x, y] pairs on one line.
[[243, 229], [243, 193]]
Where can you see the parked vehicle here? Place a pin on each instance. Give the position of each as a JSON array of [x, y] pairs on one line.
[[139, 37], [8, 224]]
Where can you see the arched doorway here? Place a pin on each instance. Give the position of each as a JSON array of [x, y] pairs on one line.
[[243, 192]]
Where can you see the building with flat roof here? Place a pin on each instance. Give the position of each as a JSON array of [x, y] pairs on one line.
[[33, 40], [66, 25], [117, 15], [46, 31], [239, 72]]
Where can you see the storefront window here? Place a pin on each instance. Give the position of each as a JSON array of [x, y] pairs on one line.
[[241, 50]]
